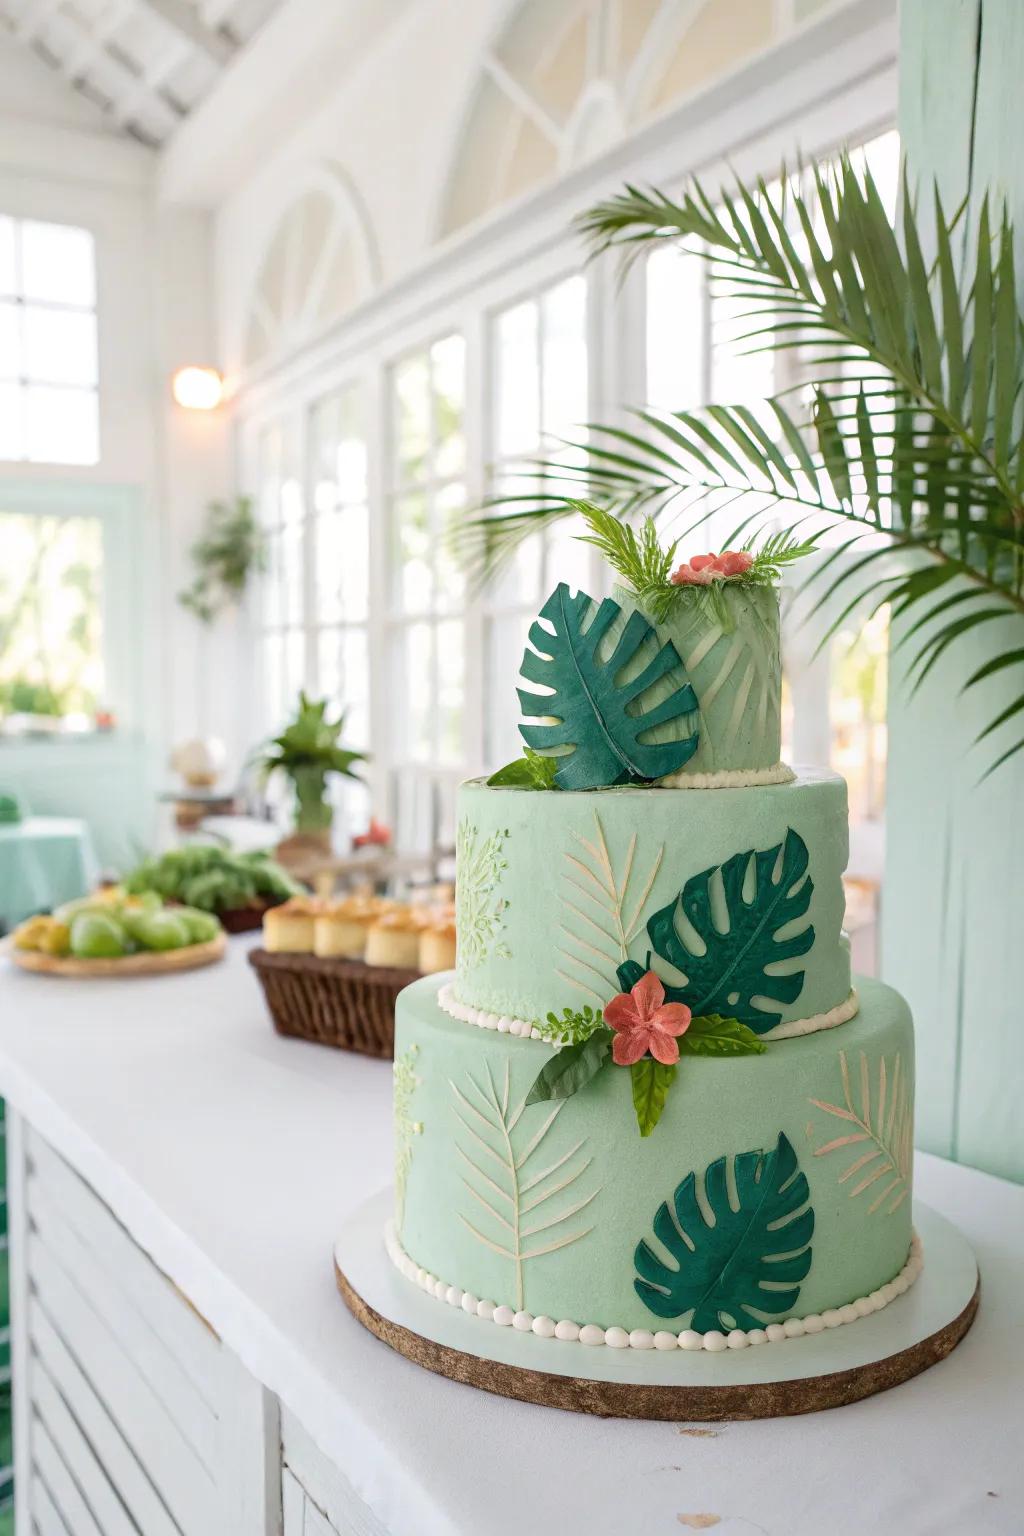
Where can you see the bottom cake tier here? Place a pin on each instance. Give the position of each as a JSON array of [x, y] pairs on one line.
[[774, 1187]]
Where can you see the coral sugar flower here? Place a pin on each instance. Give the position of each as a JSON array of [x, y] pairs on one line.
[[643, 1021], [702, 570]]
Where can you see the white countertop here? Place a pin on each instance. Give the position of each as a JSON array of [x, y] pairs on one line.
[[232, 1155]]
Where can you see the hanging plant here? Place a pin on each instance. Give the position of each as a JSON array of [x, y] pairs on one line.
[[912, 440], [232, 549]]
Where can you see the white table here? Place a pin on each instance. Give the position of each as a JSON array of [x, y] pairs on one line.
[[229, 1156]]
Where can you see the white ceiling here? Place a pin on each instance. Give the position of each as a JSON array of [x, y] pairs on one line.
[[145, 63]]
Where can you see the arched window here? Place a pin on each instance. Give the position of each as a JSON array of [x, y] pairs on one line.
[[319, 263], [564, 79]]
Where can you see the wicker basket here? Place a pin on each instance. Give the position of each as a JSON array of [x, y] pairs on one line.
[[343, 1003]]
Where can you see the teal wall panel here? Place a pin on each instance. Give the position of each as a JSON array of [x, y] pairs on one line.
[[955, 847]]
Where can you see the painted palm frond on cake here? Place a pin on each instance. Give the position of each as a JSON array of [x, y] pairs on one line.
[[878, 1115], [910, 440], [592, 720], [525, 1196], [724, 969], [479, 905], [742, 1265], [719, 657], [603, 906]]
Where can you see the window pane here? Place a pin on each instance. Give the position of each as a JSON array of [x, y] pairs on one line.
[[412, 417], [416, 580], [506, 642], [62, 425], [676, 340], [57, 264], [8, 278], [328, 664], [448, 371], [517, 382], [355, 687], [12, 443], [10, 342], [60, 346], [449, 510], [450, 692], [565, 356], [415, 716], [50, 614]]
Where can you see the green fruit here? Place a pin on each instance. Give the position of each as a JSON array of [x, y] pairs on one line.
[[202, 926], [158, 930], [96, 936]]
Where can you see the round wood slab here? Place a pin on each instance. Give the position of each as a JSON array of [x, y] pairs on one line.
[[802, 1375], [145, 963]]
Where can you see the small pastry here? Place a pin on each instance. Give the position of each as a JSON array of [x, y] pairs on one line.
[[437, 948], [288, 929], [341, 928], [394, 939]]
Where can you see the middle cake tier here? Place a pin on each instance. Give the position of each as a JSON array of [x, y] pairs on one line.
[[734, 896]]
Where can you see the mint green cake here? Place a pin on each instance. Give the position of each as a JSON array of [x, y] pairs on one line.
[[649, 1109]]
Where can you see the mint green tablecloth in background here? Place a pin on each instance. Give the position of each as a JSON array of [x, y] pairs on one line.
[[44, 860]]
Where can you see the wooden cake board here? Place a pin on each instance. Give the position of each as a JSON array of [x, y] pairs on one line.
[[803, 1375]]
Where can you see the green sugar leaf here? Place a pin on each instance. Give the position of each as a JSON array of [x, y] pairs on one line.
[[733, 968], [571, 1069], [651, 1083], [588, 708], [745, 1261], [712, 1035], [531, 771]]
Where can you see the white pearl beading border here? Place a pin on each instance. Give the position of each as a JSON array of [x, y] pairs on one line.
[[643, 1338], [505, 1024], [727, 778]]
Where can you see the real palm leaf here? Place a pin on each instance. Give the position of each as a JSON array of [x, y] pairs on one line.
[[912, 439]]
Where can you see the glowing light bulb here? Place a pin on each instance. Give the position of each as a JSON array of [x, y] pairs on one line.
[[198, 389]]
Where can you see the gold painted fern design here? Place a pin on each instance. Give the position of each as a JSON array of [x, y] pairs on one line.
[[604, 912], [512, 1185], [882, 1125]]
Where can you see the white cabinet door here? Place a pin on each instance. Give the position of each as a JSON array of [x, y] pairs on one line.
[[318, 1500], [131, 1418]]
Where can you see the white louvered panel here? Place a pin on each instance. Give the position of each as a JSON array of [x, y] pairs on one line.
[[330, 1505], [51, 1362], [45, 1519], [73, 1486], [186, 1337]]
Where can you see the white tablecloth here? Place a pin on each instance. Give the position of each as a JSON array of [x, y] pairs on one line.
[[231, 1155]]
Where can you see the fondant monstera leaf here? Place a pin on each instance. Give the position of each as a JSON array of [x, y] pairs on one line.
[[598, 716], [732, 970], [749, 1262]]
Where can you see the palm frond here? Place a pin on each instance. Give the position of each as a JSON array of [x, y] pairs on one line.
[[911, 436]]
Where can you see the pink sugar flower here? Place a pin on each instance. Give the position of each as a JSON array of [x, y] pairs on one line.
[[643, 1021], [702, 570]]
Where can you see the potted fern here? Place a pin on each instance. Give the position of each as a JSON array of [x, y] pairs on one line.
[[909, 439], [308, 752]]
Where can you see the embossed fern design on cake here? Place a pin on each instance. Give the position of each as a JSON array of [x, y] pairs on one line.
[[882, 1125], [479, 906], [512, 1184], [406, 1128], [717, 656], [604, 910]]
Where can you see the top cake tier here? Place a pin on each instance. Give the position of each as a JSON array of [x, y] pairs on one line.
[[733, 897], [730, 655]]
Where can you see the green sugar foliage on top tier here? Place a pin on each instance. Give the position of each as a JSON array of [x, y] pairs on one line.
[[595, 708], [732, 969]]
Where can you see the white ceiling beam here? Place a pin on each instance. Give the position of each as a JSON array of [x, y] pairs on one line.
[[520, 97], [185, 20], [127, 106], [35, 18]]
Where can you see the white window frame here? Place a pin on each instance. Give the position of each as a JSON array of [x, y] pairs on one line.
[[827, 84]]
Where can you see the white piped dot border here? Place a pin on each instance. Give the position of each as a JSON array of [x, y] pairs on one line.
[[644, 1338], [727, 778], [505, 1024]]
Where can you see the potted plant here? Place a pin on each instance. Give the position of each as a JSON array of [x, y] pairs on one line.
[[308, 751]]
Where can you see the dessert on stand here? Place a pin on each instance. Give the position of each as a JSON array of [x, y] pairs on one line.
[[654, 1146]]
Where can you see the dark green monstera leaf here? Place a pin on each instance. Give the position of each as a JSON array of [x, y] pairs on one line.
[[732, 970], [600, 718], [750, 1262]]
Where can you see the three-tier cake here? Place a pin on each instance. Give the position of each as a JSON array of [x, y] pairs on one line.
[[649, 1109]]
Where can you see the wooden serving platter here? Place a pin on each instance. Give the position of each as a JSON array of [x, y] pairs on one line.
[[145, 963]]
